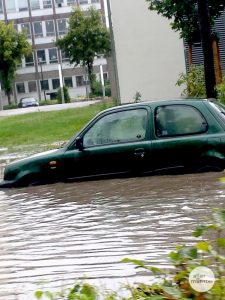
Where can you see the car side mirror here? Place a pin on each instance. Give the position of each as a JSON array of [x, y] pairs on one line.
[[79, 143]]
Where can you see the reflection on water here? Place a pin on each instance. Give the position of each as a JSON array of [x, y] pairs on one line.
[[59, 233]]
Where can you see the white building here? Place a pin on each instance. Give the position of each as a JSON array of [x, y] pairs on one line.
[[45, 21], [149, 55]]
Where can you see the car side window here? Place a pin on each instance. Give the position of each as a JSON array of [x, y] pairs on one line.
[[173, 120], [117, 127]]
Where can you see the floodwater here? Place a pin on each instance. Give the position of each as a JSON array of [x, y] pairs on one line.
[[53, 235]]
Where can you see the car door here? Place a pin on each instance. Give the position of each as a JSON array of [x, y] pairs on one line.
[[180, 136], [116, 142]]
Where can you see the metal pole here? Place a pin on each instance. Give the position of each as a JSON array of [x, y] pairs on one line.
[[61, 83], [58, 51], [42, 79], [86, 85], [102, 81]]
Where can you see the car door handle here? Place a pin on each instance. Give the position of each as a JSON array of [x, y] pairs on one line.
[[139, 152]]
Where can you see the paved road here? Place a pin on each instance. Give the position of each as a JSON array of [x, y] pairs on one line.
[[19, 111]]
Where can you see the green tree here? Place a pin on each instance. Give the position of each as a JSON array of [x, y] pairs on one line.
[[184, 15], [87, 37], [66, 95], [14, 46]]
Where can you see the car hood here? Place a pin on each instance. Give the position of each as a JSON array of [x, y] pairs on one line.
[[39, 156]]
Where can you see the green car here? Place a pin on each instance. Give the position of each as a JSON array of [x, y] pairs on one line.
[[131, 140]]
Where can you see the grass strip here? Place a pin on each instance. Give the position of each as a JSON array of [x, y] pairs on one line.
[[46, 127]]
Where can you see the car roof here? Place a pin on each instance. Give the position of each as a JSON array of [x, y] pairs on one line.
[[28, 98], [155, 103]]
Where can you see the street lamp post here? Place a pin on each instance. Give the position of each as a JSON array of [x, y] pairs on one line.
[[42, 78], [102, 81]]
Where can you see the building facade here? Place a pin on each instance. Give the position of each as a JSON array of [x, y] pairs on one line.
[[45, 21], [149, 55], [197, 53]]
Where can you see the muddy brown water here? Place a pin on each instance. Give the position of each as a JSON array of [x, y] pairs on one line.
[[53, 235]]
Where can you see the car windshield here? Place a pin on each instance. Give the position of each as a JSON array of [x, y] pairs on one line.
[[219, 107]]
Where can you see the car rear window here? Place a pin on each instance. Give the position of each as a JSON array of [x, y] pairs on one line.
[[177, 120], [219, 108]]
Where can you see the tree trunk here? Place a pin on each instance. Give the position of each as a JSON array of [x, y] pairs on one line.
[[205, 32], [217, 61], [91, 76], [8, 94]]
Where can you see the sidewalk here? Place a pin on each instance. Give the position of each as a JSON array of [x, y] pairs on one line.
[[20, 111]]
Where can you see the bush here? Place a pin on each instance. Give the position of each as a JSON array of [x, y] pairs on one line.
[[66, 95], [221, 91], [10, 106], [48, 102], [175, 284], [97, 89], [194, 82]]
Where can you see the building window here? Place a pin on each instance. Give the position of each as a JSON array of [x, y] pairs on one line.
[[68, 82], [26, 28], [94, 1], [62, 29], [83, 1], [1, 7], [53, 58], [44, 85], [65, 56], [35, 4], [80, 80], [38, 32], [29, 60], [32, 86], [47, 3], [50, 29], [41, 56], [23, 5], [10, 6], [55, 83], [20, 88], [71, 2], [59, 3]]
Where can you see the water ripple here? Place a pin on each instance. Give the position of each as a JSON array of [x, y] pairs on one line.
[[65, 232]]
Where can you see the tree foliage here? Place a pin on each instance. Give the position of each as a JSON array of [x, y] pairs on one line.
[[87, 37], [184, 15], [14, 46], [194, 82], [221, 91]]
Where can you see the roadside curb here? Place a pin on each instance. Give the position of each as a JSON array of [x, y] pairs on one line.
[[21, 111]]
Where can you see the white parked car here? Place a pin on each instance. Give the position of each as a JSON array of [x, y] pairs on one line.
[[27, 102]]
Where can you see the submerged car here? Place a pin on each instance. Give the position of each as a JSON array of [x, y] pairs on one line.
[[134, 139], [28, 102]]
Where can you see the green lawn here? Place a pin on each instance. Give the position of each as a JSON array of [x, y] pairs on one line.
[[45, 127]]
